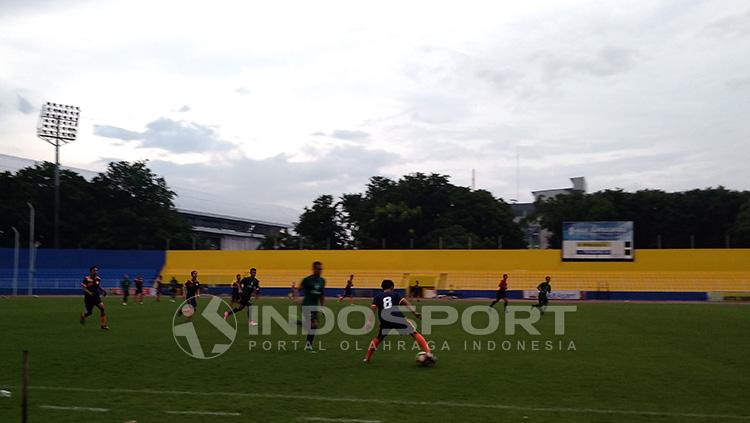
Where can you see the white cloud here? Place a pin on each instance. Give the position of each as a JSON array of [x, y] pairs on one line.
[[632, 94]]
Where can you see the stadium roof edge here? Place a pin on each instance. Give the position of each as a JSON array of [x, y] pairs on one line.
[[239, 219]]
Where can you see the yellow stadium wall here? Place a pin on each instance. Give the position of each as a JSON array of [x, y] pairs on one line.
[[652, 270]]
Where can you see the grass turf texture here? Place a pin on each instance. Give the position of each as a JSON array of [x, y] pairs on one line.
[[629, 358]]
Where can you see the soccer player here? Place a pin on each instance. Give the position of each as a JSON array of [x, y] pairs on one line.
[[314, 287], [125, 285], [348, 290], [173, 288], [92, 292], [191, 292], [386, 305], [250, 287], [236, 290], [157, 288], [292, 295], [502, 293], [544, 289], [139, 288]]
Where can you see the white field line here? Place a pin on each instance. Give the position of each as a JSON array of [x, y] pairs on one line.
[[571, 410], [203, 413], [329, 419], [59, 407]]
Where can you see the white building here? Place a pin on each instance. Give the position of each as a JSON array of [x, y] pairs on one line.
[[536, 236]]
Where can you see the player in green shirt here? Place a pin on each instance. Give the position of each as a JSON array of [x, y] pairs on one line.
[[249, 286], [544, 289], [125, 285], [314, 287]]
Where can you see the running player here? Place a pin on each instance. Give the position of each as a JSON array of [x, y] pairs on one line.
[[125, 286], [348, 290], [314, 287], [191, 292], [157, 288], [92, 292], [502, 293], [250, 287], [544, 289], [139, 289], [236, 290], [392, 321]]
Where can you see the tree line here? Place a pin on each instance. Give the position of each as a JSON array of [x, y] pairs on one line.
[[699, 218], [427, 211], [416, 211], [130, 207], [125, 207]]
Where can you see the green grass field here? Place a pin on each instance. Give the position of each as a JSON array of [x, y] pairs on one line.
[[631, 363]]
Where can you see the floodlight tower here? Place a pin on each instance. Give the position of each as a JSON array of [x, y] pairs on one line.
[[58, 125]]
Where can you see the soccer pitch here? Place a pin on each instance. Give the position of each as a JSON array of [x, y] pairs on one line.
[[631, 362]]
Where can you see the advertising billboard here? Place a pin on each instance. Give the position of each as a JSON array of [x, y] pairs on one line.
[[597, 241]]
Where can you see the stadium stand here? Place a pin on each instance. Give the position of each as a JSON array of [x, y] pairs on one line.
[[687, 274], [479, 270], [61, 271]]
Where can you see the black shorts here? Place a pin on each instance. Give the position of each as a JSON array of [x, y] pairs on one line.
[[138, 290], [502, 293], [395, 328], [246, 301], [543, 300], [193, 302], [348, 293], [91, 301]]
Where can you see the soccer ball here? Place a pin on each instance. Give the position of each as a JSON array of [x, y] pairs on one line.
[[425, 359], [187, 310]]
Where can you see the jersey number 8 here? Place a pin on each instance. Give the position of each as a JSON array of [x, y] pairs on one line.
[[387, 303]]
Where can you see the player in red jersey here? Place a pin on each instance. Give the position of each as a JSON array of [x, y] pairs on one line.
[[502, 293], [348, 290], [92, 292]]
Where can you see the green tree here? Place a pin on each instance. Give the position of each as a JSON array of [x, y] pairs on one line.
[[281, 241], [321, 225], [669, 220], [141, 213], [128, 206], [427, 211], [741, 229]]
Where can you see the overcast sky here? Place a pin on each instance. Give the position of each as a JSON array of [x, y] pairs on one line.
[[277, 102]]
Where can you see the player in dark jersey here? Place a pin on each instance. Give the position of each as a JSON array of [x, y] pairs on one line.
[[125, 286], [173, 288], [236, 290], [314, 287], [250, 287], [544, 289], [392, 321], [139, 288], [191, 292], [92, 292], [348, 290], [502, 293]]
